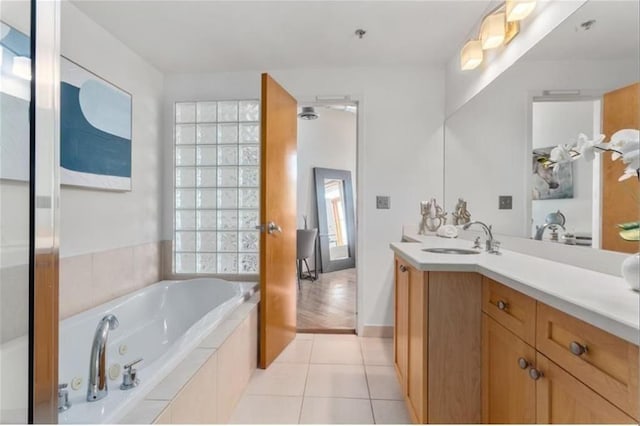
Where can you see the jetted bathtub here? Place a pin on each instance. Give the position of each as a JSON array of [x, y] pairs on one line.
[[161, 323]]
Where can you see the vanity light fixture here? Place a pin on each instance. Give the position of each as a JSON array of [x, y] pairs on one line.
[[22, 67], [471, 55], [493, 30], [517, 10]]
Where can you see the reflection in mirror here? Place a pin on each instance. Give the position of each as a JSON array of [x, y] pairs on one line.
[[579, 79], [334, 197], [569, 188], [336, 219]]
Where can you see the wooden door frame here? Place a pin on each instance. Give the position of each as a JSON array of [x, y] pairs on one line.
[[358, 102]]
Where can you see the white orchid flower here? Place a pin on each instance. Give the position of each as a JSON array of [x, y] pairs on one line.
[[626, 141], [630, 172], [561, 154], [587, 148]]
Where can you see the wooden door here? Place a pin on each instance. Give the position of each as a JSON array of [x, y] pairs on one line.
[[620, 202], [508, 393], [561, 398], [401, 329], [418, 341], [278, 220]]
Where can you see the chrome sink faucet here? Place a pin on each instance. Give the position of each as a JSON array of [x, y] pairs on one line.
[[97, 388], [491, 245]]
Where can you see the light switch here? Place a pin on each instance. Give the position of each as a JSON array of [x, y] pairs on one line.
[[383, 202], [505, 202]]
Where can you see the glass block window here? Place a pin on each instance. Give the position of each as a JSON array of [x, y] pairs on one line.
[[217, 187]]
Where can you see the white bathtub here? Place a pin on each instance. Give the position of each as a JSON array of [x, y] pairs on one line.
[[161, 323]]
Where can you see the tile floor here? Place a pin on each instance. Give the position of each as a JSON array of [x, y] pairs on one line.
[[327, 379]]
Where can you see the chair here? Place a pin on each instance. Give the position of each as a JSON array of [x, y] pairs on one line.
[[306, 244]]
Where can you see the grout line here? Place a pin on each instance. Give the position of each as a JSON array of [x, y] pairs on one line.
[[366, 378], [306, 379]]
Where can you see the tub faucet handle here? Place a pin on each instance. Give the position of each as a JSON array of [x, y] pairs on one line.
[[129, 379]]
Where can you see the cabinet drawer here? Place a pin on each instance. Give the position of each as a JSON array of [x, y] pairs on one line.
[[605, 363], [512, 309]]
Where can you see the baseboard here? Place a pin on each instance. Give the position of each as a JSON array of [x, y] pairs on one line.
[[377, 331]]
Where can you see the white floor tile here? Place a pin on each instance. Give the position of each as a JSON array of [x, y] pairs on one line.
[[336, 351], [383, 382], [279, 379], [377, 351], [266, 409], [390, 412], [298, 351], [336, 411], [346, 381]]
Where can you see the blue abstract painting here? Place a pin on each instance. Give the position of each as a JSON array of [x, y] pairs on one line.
[[15, 98], [95, 131]]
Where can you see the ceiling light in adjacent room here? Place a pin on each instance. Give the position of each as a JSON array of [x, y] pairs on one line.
[[517, 10], [492, 31], [471, 55], [308, 113], [22, 67]]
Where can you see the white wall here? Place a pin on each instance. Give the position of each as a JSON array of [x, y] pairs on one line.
[[555, 123], [93, 220], [486, 140], [328, 142], [399, 153]]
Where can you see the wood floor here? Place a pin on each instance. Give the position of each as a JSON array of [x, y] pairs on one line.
[[328, 303]]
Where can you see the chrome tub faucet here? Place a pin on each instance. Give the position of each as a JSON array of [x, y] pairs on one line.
[[97, 388]]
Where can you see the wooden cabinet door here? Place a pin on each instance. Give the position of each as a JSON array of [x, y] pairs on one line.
[[418, 339], [508, 393], [561, 398], [401, 329]]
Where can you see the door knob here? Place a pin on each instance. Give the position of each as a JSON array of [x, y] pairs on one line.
[[272, 228], [403, 268], [502, 305]]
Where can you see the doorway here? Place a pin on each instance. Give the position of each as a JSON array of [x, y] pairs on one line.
[[326, 249]]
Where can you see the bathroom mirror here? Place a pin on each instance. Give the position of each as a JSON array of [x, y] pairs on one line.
[[334, 201], [556, 91]]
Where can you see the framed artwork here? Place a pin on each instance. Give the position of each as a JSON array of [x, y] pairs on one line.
[[95, 131], [550, 184]]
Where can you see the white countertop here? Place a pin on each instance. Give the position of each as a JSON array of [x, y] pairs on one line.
[[602, 300]]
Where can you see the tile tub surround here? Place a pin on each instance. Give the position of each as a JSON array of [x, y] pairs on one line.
[[207, 385], [89, 280], [602, 300], [308, 383]]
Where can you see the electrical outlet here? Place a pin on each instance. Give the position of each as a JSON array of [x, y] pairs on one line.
[[383, 202], [505, 202]]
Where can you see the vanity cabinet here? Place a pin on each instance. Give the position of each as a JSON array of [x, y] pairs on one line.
[[469, 349], [437, 344], [541, 365], [401, 329]]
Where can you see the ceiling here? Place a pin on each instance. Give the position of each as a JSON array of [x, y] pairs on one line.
[[615, 34], [208, 36]]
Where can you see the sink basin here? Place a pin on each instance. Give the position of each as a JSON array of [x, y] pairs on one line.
[[450, 251]]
